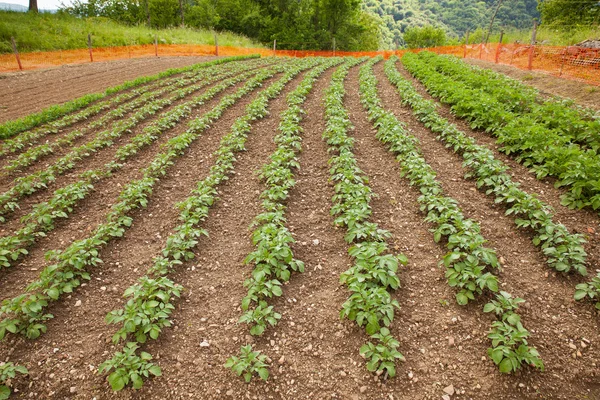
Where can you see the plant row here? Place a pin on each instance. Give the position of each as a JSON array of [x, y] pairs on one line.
[[564, 251], [546, 151], [272, 258], [373, 273], [147, 93], [578, 124], [52, 113], [468, 263], [26, 185], [8, 371], [41, 220], [150, 300], [26, 313]]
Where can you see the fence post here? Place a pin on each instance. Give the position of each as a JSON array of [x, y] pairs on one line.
[[466, 43], [216, 46], [90, 47], [334, 46], [155, 46], [14, 46], [275, 47], [499, 46], [564, 59], [532, 47]]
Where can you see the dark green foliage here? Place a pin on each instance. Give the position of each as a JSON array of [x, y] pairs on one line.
[[454, 16], [564, 13], [297, 24]]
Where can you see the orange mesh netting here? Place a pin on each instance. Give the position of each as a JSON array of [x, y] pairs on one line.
[[570, 62]]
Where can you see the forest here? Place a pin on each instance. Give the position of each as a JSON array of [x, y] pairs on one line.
[[345, 24]]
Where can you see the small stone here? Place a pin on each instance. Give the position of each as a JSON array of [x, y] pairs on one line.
[[478, 386], [343, 373], [449, 390], [281, 360], [410, 375], [363, 389], [572, 346], [521, 385], [502, 260], [78, 303], [103, 288], [316, 242], [583, 345], [204, 343], [450, 341], [73, 389], [445, 397], [229, 392]]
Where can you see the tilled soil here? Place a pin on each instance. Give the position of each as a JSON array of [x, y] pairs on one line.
[[27, 92], [556, 321], [313, 354], [583, 93]]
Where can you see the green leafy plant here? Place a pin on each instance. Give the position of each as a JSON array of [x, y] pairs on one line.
[[8, 371], [127, 367], [383, 355], [248, 364]]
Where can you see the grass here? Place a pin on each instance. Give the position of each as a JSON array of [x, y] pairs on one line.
[[44, 32], [546, 35]]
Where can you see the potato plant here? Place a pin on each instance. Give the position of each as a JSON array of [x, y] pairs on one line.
[[544, 148], [51, 115], [9, 371], [207, 75], [41, 220], [150, 301], [30, 184], [469, 265], [25, 313], [373, 274], [564, 250], [272, 258]]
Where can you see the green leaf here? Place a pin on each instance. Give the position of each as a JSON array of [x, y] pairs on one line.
[[155, 370], [117, 382], [505, 366], [4, 392], [263, 373], [580, 294], [462, 298]]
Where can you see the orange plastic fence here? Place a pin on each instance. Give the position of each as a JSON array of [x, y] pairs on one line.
[[569, 62]]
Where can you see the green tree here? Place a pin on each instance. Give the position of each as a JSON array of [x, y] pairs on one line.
[[427, 36], [569, 12]]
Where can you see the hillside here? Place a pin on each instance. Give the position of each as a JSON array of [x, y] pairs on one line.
[[455, 16], [61, 31]]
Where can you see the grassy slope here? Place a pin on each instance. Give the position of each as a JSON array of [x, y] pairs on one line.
[[60, 32]]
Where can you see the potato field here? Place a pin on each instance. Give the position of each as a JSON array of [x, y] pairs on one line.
[[302, 228]]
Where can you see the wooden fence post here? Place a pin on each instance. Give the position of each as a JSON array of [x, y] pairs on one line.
[[90, 47], [155, 46], [499, 46], [564, 59], [275, 47], [466, 43], [532, 47], [334, 46], [14, 46], [216, 46]]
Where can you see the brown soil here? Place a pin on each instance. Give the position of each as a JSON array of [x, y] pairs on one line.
[[314, 354], [554, 319], [29, 92], [583, 93]]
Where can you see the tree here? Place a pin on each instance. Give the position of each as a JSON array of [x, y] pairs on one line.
[[562, 13], [427, 36], [33, 7]]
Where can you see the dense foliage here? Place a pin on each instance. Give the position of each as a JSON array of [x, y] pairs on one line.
[[454, 16], [303, 24], [566, 13]]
